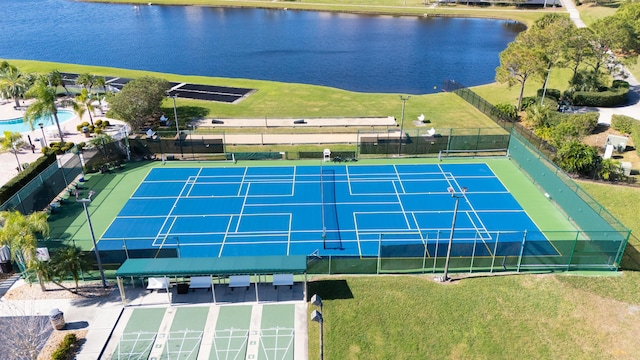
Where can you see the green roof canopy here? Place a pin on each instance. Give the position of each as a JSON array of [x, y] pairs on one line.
[[213, 266]]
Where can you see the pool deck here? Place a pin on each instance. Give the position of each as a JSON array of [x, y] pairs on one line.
[[8, 163]]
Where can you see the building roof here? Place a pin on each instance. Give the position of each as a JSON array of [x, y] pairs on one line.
[[213, 266]]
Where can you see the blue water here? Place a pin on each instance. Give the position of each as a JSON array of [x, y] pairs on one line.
[[353, 52], [17, 125]]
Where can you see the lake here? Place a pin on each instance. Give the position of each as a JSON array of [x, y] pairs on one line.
[[353, 52]]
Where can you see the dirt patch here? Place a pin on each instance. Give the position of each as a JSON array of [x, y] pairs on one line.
[[33, 291], [56, 338], [599, 140]]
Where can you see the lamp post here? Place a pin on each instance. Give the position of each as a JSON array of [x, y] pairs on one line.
[[445, 277], [93, 237], [317, 317], [175, 115], [404, 100], [43, 137], [546, 81]]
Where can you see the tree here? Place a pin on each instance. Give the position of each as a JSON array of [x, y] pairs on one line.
[[82, 104], [19, 232], [86, 81], [44, 105], [575, 157], [579, 48], [13, 83], [550, 34], [69, 261], [24, 335], [140, 101], [518, 62], [11, 142], [54, 78]]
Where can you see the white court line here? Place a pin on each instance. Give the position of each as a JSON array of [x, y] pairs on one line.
[[406, 219], [226, 233], [194, 179], [246, 195], [242, 181], [175, 203], [399, 179], [289, 234], [355, 227], [166, 234], [418, 228]]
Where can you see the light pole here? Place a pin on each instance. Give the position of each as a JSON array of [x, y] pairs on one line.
[[93, 237], [445, 277], [43, 137], [404, 100], [546, 81], [317, 317], [175, 115]]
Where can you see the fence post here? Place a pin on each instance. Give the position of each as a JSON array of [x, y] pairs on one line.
[[575, 244], [495, 248], [524, 240]]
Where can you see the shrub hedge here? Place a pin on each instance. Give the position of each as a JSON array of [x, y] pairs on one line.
[[551, 93], [14, 185], [615, 95], [64, 349]]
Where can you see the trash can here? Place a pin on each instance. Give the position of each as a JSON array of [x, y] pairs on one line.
[[57, 319], [5, 267]]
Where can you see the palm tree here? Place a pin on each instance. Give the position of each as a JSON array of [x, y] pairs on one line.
[[11, 142], [44, 104], [13, 83], [55, 79], [86, 80], [19, 232], [70, 261], [82, 103]]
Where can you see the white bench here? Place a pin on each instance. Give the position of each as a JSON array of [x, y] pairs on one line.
[[239, 281], [283, 280], [200, 282], [158, 283]]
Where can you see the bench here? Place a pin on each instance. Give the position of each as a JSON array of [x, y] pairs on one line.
[[239, 281], [158, 283], [200, 282], [283, 280]]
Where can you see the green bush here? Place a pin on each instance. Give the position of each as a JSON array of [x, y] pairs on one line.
[[623, 123], [508, 109], [527, 101], [551, 93], [64, 349], [615, 95], [14, 185]]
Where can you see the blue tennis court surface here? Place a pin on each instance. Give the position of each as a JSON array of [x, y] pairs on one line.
[[343, 210]]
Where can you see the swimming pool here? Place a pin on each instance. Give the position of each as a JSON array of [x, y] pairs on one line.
[[18, 125]]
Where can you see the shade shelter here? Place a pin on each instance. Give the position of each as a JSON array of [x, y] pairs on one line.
[[212, 266]]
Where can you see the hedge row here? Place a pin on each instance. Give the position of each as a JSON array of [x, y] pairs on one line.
[[65, 348], [18, 182], [615, 95]]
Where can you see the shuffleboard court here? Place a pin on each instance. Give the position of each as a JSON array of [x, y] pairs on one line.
[[232, 333], [185, 337], [140, 334], [277, 332], [342, 210]]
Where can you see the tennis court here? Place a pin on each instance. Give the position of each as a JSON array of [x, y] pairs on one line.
[[345, 210]]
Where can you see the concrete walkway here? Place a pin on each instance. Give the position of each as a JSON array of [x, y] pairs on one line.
[[632, 107], [101, 316]]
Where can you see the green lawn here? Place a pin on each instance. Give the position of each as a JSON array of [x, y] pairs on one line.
[[504, 317]]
